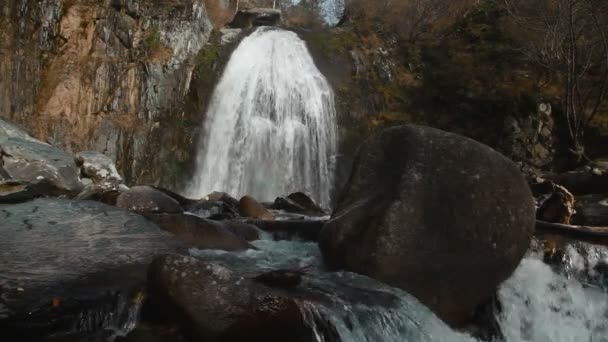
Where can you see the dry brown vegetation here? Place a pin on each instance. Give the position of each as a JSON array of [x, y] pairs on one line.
[[412, 19]]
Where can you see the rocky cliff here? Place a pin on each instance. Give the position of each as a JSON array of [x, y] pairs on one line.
[[105, 75]]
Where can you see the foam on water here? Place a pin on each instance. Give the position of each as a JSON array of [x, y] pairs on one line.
[[565, 304]]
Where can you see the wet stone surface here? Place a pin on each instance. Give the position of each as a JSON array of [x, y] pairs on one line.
[[59, 253]]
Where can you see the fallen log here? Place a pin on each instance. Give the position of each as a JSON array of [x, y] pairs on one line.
[[596, 235]]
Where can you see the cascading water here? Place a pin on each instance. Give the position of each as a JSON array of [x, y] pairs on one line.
[[270, 127], [564, 303]]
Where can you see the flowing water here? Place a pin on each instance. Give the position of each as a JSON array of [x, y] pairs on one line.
[[270, 128], [540, 303]]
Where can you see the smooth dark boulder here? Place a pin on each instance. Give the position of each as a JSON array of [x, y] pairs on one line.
[[437, 214], [212, 302], [66, 263], [245, 231], [298, 202], [249, 207], [199, 232], [31, 160], [13, 191], [146, 199]]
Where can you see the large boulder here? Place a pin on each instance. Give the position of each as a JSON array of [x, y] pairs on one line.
[[212, 302], [65, 263], [249, 207], [31, 160], [439, 215], [146, 199]]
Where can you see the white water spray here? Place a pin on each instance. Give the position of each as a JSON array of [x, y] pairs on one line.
[[271, 124]]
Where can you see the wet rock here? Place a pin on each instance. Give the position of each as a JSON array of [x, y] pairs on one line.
[[183, 201], [212, 302], [214, 210], [249, 207], [31, 160], [12, 191], [245, 231], [230, 35], [298, 202], [146, 199], [224, 197], [557, 206], [199, 232], [65, 263], [103, 194], [439, 215], [291, 229], [98, 167], [592, 210]]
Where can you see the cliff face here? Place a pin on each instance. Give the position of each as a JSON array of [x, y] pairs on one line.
[[109, 76]]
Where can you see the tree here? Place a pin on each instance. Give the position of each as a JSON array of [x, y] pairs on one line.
[[568, 38]]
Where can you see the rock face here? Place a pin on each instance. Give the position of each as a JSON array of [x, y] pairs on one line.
[[31, 160], [64, 251], [146, 199], [248, 18], [109, 76], [439, 215], [530, 140], [214, 303]]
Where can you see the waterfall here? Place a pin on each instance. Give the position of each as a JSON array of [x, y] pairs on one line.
[[270, 127]]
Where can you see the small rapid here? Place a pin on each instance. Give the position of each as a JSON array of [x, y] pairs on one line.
[[565, 302], [270, 127]]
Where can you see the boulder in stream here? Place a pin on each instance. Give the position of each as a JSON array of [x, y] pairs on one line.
[[249, 207], [439, 215], [212, 302], [147, 199]]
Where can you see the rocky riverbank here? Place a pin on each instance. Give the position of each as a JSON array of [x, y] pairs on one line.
[[85, 255]]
